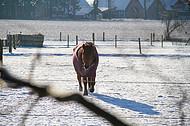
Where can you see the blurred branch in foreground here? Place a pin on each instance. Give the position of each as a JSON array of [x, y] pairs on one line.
[[46, 91]]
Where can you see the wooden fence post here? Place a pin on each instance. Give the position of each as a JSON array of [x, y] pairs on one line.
[[1, 52], [151, 39], [140, 46], [116, 41], [103, 36], [60, 36], [162, 41], [10, 43], [14, 41], [77, 40], [68, 41], [93, 38]]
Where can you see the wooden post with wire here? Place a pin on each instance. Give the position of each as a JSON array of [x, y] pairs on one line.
[[116, 41], [140, 45], [103, 36], [68, 41], [93, 38], [60, 36], [77, 40], [151, 39], [10, 43], [1, 52], [14, 41], [162, 41]]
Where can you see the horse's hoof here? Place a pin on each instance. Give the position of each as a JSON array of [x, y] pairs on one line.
[[92, 89], [85, 93], [80, 88]]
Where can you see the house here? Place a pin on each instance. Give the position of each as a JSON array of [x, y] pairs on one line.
[[182, 9], [84, 11], [156, 8], [153, 8], [94, 14], [120, 7], [135, 9], [114, 8], [178, 6]]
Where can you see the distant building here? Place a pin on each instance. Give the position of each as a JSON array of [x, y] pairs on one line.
[[84, 13], [107, 9], [153, 8], [156, 8], [135, 10]]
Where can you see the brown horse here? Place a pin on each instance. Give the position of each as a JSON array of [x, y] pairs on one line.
[[85, 61]]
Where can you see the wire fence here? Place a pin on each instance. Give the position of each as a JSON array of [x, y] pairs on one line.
[[44, 91]]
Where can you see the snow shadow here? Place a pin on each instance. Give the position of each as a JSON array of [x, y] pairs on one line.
[[128, 104], [145, 55], [33, 54]]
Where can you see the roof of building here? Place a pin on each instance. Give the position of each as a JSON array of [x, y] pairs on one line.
[[168, 3], [148, 3]]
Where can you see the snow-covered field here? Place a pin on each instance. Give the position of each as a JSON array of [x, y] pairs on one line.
[[148, 89]]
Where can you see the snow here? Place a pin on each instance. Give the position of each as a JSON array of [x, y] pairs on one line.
[[119, 4], [83, 3], [139, 89]]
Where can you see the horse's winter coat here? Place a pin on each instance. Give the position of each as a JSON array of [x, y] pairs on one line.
[[79, 65]]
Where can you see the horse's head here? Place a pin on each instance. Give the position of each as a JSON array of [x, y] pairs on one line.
[[88, 54]]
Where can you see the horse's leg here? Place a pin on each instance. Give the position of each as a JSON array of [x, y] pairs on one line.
[[85, 86], [79, 80], [92, 83], [89, 82]]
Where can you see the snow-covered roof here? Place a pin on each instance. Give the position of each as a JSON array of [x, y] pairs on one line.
[[103, 8], [168, 3], [118, 4], [148, 3], [121, 4], [84, 10], [83, 3]]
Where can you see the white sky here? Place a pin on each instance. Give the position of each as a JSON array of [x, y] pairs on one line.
[[90, 1]]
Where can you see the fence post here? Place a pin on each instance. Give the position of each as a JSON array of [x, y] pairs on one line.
[[93, 39], [1, 52], [116, 41], [60, 36], [151, 39], [14, 41], [10, 43], [162, 41], [68, 41], [103, 36], [77, 40], [140, 46]]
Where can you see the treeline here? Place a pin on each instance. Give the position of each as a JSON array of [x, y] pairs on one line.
[[37, 9]]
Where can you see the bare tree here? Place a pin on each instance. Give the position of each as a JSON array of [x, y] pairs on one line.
[[172, 23]]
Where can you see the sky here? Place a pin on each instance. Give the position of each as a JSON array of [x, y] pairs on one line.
[[90, 1]]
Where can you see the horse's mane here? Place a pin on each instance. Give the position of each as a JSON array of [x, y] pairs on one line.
[[88, 48], [88, 51]]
